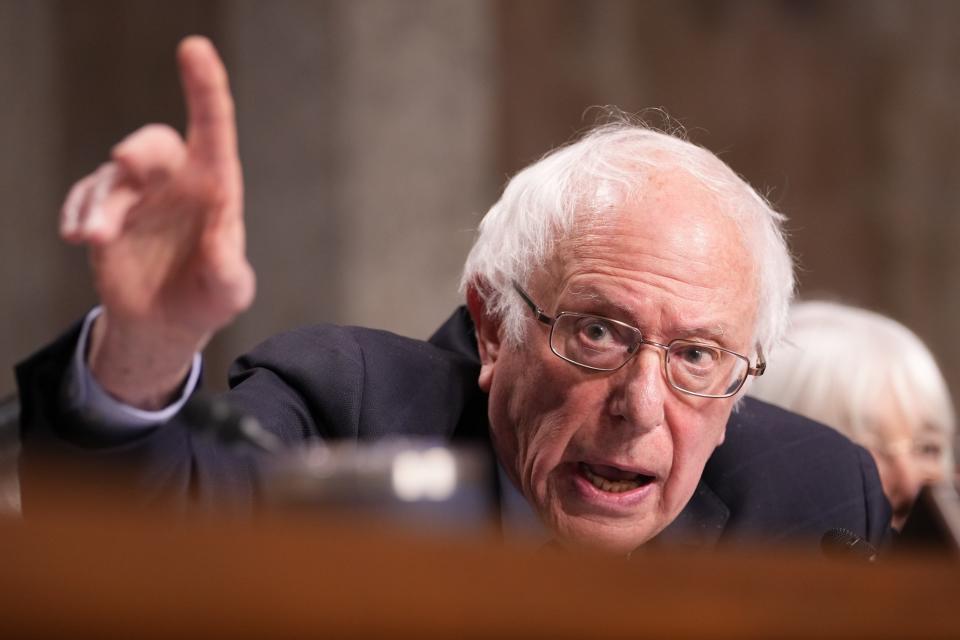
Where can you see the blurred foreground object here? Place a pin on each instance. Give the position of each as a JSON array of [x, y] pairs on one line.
[[873, 380], [934, 523], [9, 451], [417, 481], [94, 574]]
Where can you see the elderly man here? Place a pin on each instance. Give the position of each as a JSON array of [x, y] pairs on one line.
[[620, 295]]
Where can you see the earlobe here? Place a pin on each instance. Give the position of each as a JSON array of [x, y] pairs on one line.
[[723, 435], [488, 336]]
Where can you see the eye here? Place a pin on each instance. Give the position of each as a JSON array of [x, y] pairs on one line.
[[595, 331], [698, 355], [927, 450]]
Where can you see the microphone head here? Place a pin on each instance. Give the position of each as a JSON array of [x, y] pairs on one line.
[[217, 418], [843, 543]]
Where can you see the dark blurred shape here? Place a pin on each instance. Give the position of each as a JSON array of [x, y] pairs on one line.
[[9, 454], [9, 416], [934, 523], [214, 416]]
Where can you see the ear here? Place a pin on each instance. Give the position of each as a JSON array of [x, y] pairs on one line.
[[723, 435], [488, 336]]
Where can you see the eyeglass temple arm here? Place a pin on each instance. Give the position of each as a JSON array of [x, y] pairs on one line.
[[537, 311], [761, 364]]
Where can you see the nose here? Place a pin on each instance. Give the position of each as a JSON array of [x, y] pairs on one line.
[[900, 478], [640, 391]]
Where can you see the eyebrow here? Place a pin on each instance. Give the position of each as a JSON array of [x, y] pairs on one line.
[[930, 429], [620, 311]]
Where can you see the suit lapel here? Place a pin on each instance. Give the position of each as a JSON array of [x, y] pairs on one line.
[[700, 524]]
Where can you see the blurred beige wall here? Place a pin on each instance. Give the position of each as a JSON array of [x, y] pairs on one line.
[[375, 133], [844, 113], [35, 287], [366, 130]]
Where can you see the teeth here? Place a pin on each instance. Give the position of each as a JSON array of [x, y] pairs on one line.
[[611, 486]]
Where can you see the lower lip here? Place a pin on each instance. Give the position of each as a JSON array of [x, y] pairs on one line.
[[625, 500]]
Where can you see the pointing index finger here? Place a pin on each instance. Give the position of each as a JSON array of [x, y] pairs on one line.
[[211, 127]]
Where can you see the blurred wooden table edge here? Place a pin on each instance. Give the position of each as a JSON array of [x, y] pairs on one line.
[[106, 575]]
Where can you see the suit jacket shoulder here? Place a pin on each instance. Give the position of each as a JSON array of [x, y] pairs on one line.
[[794, 478], [352, 382]]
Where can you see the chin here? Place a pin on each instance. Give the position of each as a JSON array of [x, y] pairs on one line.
[[593, 536]]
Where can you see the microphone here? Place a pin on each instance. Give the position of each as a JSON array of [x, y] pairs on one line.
[[843, 543], [216, 417]]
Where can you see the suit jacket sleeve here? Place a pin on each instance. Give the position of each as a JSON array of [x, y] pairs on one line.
[[172, 463], [315, 382]]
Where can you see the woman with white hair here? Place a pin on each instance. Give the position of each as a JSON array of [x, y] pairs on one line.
[[872, 379]]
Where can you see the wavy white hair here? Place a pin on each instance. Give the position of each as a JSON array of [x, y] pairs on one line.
[[841, 365], [542, 204]]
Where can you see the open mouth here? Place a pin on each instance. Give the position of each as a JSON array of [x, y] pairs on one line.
[[613, 479]]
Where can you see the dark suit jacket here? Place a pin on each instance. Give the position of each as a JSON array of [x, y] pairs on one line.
[[777, 477]]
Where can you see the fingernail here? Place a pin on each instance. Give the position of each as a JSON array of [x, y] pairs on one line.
[[69, 224], [94, 220]]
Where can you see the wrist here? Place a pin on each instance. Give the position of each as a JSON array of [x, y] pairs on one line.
[[140, 364]]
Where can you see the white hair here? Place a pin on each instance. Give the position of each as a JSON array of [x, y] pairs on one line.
[[840, 364], [542, 204]]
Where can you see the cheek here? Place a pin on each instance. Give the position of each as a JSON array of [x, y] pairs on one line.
[[932, 472], [539, 405], [892, 482], [512, 400], [697, 429]]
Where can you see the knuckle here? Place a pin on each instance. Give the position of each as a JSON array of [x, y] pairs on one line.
[[212, 193], [159, 130], [151, 147], [214, 197]]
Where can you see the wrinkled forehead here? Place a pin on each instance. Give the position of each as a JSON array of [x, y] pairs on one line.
[[670, 250], [666, 195], [670, 213]]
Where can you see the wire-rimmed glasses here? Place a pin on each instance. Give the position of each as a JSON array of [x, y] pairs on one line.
[[604, 344]]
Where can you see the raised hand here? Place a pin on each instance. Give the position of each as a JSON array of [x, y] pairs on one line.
[[163, 221]]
